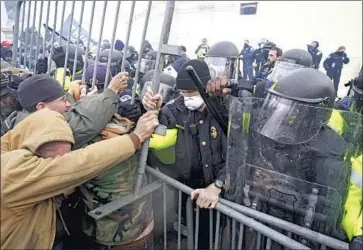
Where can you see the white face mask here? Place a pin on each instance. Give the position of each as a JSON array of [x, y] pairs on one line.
[[193, 102]]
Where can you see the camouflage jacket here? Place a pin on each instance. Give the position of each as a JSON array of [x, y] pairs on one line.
[[129, 222]]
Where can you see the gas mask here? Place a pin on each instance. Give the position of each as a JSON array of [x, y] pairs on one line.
[[193, 102]]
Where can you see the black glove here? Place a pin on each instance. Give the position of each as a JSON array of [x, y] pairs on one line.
[[357, 243], [129, 111], [42, 66]]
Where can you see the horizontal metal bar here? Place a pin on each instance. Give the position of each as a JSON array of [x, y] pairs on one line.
[[274, 235], [171, 50], [296, 229], [112, 206]]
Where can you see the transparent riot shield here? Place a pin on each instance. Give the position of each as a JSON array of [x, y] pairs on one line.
[[284, 160]]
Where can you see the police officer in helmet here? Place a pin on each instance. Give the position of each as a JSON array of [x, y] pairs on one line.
[[59, 55], [116, 60], [148, 62], [222, 60], [287, 157], [291, 60]]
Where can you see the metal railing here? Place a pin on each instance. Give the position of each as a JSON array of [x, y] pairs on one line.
[[235, 219]]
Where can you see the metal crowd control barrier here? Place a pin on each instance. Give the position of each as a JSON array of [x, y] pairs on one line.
[[239, 218]]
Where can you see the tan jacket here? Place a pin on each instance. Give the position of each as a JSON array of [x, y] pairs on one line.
[[28, 183]]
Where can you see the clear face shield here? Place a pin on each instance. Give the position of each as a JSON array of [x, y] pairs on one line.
[[165, 90], [282, 69], [288, 121], [221, 66], [147, 65]]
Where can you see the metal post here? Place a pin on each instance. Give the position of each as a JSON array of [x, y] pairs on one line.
[[218, 221], [189, 208], [46, 29], [168, 18], [77, 45], [233, 234], [67, 48], [88, 42], [179, 217], [136, 78], [99, 42], [27, 35], [21, 35], [52, 40], [32, 36], [39, 28], [112, 42], [211, 229], [62, 21], [196, 237], [128, 34], [16, 33], [240, 236], [164, 215]]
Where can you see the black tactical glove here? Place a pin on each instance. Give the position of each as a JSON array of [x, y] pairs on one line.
[[42, 66], [130, 111]]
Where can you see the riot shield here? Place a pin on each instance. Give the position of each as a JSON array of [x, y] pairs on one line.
[[284, 160]]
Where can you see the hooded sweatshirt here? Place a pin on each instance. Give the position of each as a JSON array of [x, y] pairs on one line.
[[29, 183]]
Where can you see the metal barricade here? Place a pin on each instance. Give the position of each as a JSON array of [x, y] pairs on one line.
[[236, 218]]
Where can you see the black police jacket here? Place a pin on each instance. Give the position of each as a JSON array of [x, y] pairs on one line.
[[201, 145]]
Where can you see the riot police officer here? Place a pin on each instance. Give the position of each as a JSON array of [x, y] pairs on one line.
[[116, 60], [148, 61], [247, 57], [291, 60], [333, 65], [222, 60], [258, 56], [315, 53], [59, 55], [282, 154]]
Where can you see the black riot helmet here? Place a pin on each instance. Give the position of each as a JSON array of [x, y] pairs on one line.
[[291, 60], [296, 107], [131, 54], [59, 55], [222, 60], [116, 60], [148, 62], [166, 87], [357, 99]]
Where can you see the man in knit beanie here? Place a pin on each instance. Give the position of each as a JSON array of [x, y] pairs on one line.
[[42, 91]]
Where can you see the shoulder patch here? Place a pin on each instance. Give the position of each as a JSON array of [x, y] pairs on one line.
[[170, 102], [125, 98]]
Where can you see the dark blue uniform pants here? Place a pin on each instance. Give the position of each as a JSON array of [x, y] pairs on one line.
[[247, 71], [336, 79]]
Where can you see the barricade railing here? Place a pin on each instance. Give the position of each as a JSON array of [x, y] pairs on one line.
[[238, 218]]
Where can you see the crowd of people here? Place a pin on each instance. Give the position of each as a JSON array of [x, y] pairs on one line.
[[70, 145]]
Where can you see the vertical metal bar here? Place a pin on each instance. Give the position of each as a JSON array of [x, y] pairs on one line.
[[52, 40], [218, 221], [88, 42], [46, 28], [22, 35], [16, 32], [128, 34], [32, 37], [27, 35], [77, 45], [179, 217], [164, 214], [99, 43], [210, 228], [196, 228], [39, 29], [233, 234], [258, 240], [189, 207], [67, 48], [62, 21], [240, 236], [136, 79], [323, 247], [289, 234], [112, 42], [268, 244]]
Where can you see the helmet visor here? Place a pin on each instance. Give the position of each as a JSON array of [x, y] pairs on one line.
[[282, 69], [165, 90], [146, 65], [289, 122], [219, 66]]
